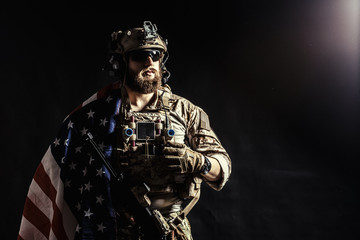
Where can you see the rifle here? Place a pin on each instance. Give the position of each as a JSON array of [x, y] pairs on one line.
[[153, 225]]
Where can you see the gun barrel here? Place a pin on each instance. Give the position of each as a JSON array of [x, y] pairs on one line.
[[102, 156]]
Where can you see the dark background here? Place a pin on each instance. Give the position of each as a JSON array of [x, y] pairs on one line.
[[279, 80]]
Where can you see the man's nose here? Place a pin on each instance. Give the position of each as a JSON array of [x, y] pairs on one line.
[[149, 61]]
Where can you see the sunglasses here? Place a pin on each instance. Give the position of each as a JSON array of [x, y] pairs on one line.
[[142, 55]]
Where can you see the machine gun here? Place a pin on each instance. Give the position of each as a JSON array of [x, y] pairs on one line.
[[151, 222]]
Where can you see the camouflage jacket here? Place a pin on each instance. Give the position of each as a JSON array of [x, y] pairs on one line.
[[192, 127]]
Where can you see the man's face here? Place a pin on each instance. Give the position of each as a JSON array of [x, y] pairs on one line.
[[144, 73]]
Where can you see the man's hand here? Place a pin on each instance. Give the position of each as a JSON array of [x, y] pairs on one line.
[[181, 159]]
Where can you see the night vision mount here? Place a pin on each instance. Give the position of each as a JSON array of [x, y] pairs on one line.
[[150, 30]]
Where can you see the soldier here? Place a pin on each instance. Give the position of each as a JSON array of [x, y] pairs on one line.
[[133, 156]]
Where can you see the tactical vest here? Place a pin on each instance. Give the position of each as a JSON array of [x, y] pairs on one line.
[[140, 138]]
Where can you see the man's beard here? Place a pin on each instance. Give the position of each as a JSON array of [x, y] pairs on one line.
[[142, 83]]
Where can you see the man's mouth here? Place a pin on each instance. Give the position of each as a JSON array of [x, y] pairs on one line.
[[149, 72]]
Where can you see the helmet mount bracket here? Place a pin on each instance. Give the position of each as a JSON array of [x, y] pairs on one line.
[[150, 30]]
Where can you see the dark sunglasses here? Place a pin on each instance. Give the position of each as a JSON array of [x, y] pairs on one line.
[[142, 55]]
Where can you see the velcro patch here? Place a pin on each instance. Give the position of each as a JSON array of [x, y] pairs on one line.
[[204, 121]]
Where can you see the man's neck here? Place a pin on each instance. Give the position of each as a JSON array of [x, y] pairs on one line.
[[138, 100]]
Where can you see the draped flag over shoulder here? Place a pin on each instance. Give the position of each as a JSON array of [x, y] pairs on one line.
[[69, 196]]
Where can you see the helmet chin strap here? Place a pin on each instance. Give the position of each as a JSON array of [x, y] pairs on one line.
[[165, 76], [165, 73]]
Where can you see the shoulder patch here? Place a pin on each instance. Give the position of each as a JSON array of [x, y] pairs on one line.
[[204, 121]]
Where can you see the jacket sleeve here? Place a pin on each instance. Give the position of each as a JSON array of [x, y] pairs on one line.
[[203, 139]]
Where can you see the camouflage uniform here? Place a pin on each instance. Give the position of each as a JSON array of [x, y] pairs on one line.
[[192, 127]]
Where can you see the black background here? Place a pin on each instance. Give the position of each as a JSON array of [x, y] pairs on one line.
[[278, 79]]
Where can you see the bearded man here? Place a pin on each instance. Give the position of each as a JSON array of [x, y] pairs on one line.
[[128, 163]]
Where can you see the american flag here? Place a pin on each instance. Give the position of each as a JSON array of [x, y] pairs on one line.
[[69, 196]]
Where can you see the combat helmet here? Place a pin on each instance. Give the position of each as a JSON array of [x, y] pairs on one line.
[[124, 42]]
